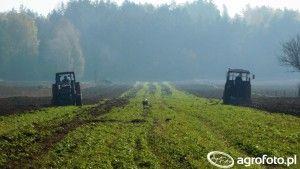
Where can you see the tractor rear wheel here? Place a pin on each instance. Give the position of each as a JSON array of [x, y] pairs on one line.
[[54, 94], [78, 100], [77, 88], [78, 94]]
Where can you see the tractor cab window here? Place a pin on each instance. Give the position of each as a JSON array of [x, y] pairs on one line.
[[239, 76], [66, 78]]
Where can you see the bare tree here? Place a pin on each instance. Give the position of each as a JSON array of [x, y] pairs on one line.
[[290, 55]]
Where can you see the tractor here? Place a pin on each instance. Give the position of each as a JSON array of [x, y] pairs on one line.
[[65, 90], [237, 89]]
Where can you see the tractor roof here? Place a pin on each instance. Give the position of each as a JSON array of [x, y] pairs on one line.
[[61, 73], [238, 71]]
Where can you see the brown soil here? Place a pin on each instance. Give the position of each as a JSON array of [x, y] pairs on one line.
[[278, 104], [286, 105], [108, 105], [205, 91], [12, 90], [94, 94], [13, 105], [16, 105]]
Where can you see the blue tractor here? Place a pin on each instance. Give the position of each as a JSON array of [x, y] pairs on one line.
[[65, 90], [237, 89]]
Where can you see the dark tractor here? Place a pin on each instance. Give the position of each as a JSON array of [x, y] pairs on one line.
[[237, 89], [66, 91]]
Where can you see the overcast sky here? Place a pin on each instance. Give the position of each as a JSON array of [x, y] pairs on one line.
[[234, 6]]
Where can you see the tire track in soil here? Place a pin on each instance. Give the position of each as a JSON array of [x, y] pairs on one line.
[[210, 126], [207, 125], [165, 90], [138, 159], [151, 89], [152, 142], [152, 138], [63, 129], [239, 146]]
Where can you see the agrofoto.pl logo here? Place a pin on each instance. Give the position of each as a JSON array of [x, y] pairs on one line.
[[224, 160]]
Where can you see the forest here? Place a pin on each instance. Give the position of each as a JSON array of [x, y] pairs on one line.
[[128, 42], [152, 87]]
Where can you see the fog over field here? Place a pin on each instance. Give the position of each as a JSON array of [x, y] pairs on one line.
[[153, 88], [128, 42]]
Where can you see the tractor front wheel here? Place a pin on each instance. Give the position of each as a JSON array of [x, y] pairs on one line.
[[78, 100]]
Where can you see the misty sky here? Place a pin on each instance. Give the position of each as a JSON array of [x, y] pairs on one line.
[[234, 6]]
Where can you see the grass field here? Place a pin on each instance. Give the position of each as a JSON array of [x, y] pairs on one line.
[[176, 131]]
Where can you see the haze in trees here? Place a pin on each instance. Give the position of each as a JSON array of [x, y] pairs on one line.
[[142, 42]]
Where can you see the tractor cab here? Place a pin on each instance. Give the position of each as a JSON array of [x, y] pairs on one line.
[[65, 90], [65, 78], [237, 89]]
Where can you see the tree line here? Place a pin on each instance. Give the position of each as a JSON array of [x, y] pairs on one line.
[[101, 40]]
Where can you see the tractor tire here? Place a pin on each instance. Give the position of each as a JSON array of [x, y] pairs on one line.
[[226, 94], [73, 101], [77, 88], [78, 94], [78, 100], [54, 94]]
